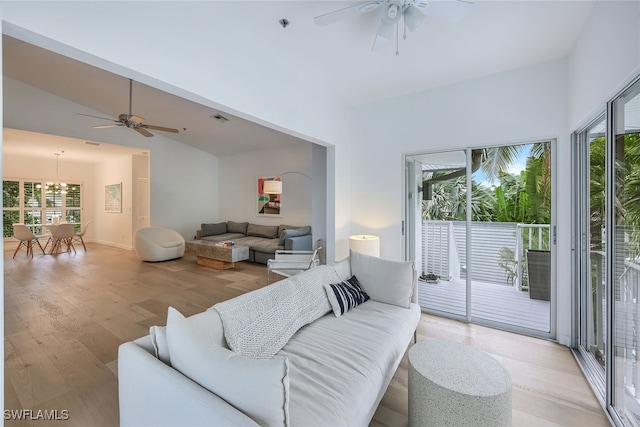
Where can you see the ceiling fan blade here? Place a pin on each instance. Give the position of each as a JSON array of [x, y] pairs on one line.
[[142, 131], [163, 129], [413, 18], [347, 12], [449, 10], [383, 35], [96, 117], [107, 126]]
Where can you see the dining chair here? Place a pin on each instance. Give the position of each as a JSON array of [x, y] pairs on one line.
[[78, 237], [63, 235], [27, 238]]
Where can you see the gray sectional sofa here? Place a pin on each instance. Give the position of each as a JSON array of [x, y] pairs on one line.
[[263, 240]]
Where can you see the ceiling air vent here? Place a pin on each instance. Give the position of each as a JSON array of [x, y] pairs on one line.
[[92, 143], [220, 118]]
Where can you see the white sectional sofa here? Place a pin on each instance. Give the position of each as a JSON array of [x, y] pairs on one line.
[[299, 352]]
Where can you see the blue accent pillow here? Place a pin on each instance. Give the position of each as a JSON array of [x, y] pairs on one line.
[[293, 232], [345, 295]]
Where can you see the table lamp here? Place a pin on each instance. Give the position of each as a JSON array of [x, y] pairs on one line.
[[365, 244]]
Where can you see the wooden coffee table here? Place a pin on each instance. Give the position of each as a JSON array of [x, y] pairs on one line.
[[212, 255]]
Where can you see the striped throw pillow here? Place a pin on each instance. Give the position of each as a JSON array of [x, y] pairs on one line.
[[345, 295]]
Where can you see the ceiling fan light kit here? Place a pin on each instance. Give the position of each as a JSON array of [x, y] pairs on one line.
[[411, 11], [132, 122]]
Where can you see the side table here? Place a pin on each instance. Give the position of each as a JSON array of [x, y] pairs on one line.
[[452, 384]]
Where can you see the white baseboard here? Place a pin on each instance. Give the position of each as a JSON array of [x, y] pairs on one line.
[[114, 245]]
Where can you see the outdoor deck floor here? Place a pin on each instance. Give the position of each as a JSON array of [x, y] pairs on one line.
[[495, 303]]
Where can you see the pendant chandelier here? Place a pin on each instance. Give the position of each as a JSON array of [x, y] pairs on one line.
[[56, 186]]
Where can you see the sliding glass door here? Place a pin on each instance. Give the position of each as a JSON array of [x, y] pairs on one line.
[[624, 244], [590, 214], [486, 235], [607, 262]]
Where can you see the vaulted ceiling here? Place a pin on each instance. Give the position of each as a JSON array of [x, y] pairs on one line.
[[495, 36]]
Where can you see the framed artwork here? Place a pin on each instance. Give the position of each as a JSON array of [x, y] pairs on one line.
[[268, 204], [113, 198]]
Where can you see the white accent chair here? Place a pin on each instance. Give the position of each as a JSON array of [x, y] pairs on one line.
[[155, 244], [289, 263], [26, 237], [79, 235]]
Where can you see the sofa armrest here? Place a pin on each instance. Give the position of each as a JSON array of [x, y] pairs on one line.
[[298, 243], [154, 394]]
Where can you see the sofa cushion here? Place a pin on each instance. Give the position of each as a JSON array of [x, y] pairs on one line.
[[339, 366], [230, 375], [260, 244], [213, 229], [207, 325], [237, 227], [384, 280], [266, 231], [293, 232], [158, 335], [343, 268], [223, 237], [283, 227], [345, 295]]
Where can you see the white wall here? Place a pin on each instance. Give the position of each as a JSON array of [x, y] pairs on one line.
[[238, 185], [605, 57], [518, 106], [41, 169], [114, 228]]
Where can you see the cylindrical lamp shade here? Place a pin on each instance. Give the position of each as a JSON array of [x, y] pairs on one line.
[[272, 187], [365, 244]]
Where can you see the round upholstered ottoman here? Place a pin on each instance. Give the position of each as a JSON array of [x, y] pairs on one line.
[[452, 384]]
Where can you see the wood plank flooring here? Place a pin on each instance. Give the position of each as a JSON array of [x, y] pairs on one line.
[[65, 316]]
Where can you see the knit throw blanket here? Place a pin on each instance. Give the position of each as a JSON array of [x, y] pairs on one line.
[[258, 324]]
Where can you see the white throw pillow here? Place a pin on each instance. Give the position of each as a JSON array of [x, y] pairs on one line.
[[257, 387], [158, 336], [343, 268], [384, 280]]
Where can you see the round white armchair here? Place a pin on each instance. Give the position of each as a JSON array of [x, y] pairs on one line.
[[155, 244]]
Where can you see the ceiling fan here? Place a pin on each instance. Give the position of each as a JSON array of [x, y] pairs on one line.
[[391, 11], [132, 122]]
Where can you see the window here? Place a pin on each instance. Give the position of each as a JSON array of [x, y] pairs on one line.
[[35, 204]]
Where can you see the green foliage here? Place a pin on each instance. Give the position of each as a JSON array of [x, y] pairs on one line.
[[523, 198], [508, 263]]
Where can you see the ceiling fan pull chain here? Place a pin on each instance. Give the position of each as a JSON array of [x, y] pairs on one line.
[[397, 40], [404, 23]]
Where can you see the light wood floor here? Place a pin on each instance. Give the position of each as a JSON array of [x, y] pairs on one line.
[[66, 315]]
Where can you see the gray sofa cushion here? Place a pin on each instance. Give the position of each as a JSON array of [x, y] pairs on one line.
[[266, 231], [294, 232], [224, 237], [259, 244], [237, 227], [213, 229]]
